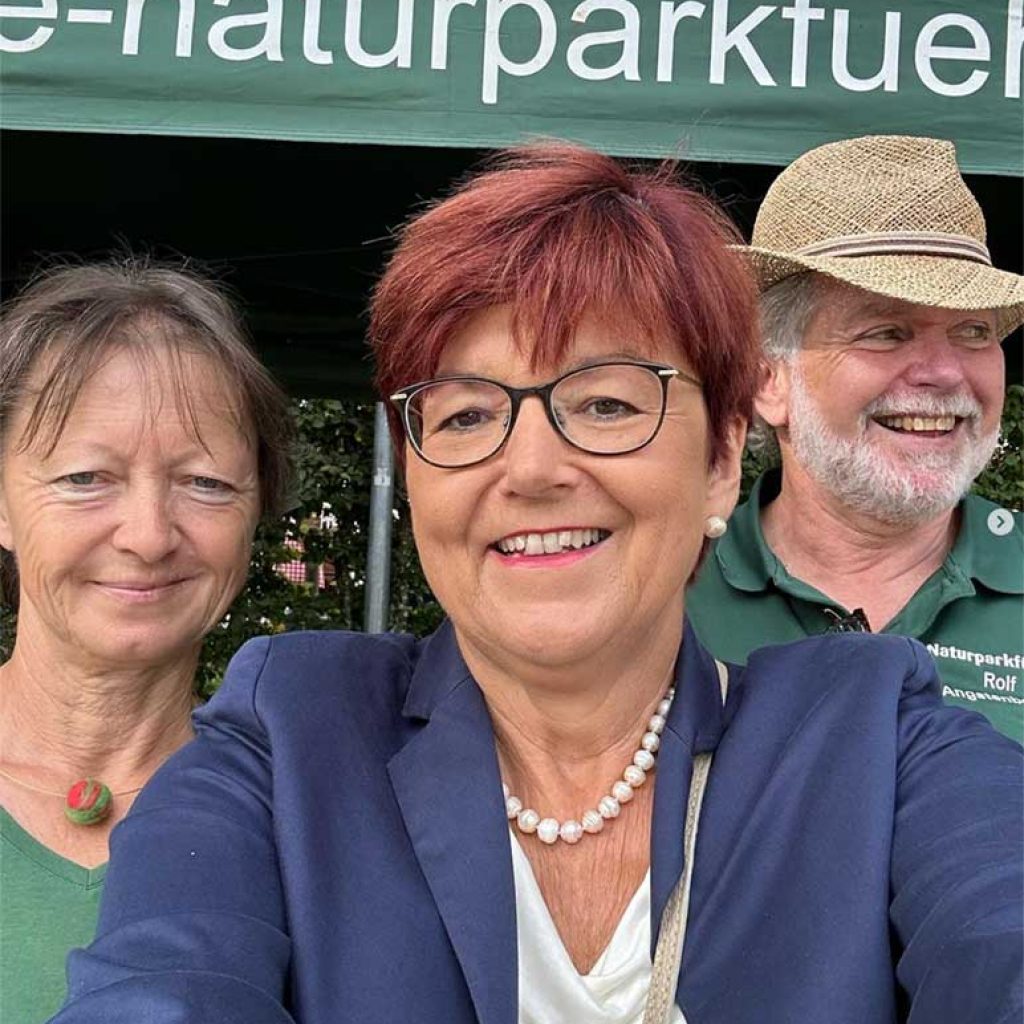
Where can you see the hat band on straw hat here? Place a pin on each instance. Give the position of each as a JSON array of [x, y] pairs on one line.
[[890, 243]]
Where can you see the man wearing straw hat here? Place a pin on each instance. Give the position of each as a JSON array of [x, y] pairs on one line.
[[882, 321]]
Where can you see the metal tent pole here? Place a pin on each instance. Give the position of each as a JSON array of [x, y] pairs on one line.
[[378, 560]]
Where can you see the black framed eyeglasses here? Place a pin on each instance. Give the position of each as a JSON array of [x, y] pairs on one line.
[[609, 408]]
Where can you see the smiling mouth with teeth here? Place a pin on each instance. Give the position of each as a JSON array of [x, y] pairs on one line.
[[552, 542], [918, 424]]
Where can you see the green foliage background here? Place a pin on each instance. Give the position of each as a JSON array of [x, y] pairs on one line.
[[335, 467]]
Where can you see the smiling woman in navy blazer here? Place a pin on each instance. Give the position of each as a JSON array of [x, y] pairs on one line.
[[488, 825]]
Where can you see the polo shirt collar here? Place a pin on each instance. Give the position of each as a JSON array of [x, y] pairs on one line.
[[993, 561], [748, 563], [743, 555]]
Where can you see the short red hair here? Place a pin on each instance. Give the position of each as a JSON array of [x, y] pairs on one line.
[[557, 231]]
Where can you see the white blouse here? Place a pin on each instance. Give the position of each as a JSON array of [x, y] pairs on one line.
[[551, 990]]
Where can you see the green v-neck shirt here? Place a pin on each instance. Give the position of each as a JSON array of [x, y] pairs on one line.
[[48, 905], [969, 613]]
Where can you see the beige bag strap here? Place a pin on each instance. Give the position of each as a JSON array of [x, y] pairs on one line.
[[668, 956]]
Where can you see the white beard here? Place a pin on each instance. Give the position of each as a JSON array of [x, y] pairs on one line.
[[877, 480]]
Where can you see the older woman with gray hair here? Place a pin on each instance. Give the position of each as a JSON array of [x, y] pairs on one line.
[[140, 442]]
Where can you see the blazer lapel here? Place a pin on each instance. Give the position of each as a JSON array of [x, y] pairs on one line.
[[448, 787], [695, 725], [675, 765]]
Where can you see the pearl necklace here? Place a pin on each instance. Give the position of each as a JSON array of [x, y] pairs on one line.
[[550, 830]]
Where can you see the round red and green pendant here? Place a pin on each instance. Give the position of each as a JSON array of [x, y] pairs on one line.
[[87, 802]]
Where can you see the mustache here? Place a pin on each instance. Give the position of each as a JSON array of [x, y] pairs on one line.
[[958, 403]]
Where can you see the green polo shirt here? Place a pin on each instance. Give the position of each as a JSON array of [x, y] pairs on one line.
[[969, 613]]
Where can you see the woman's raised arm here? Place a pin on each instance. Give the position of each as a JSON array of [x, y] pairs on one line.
[[192, 923], [957, 862]]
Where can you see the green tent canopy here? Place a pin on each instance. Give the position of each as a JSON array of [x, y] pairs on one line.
[[717, 80]]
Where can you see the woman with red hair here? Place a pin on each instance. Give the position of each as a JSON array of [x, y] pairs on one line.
[[523, 817]]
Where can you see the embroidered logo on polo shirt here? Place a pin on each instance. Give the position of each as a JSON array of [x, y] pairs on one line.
[[1000, 674]]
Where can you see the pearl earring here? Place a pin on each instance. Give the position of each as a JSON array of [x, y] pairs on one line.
[[715, 526]]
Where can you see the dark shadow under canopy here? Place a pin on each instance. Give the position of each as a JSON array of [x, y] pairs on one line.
[[299, 230]]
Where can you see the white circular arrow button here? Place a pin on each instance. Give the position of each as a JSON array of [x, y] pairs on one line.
[[1000, 522]]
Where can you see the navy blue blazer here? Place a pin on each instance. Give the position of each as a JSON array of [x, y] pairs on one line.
[[333, 847]]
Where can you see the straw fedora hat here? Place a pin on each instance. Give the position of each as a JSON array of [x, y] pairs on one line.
[[887, 213]]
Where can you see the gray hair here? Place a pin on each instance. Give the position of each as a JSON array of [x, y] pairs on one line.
[[84, 311], [786, 312], [787, 309]]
